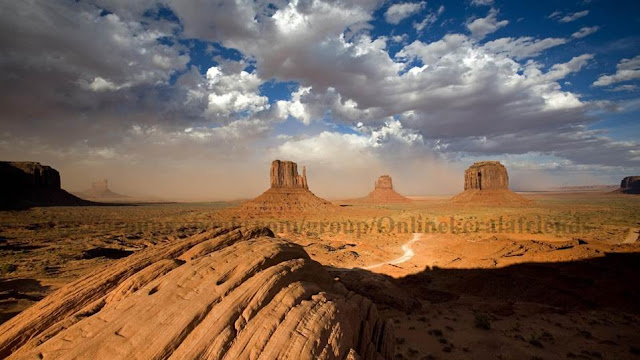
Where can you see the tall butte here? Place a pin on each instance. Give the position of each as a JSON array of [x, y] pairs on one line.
[[100, 190], [487, 182], [289, 193], [383, 192]]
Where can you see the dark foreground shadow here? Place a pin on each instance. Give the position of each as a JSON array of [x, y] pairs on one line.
[[18, 294], [604, 282]]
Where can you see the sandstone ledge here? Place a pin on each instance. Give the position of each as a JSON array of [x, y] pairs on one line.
[[228, 293]]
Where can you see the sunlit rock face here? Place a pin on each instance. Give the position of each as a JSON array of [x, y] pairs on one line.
[[284, 174], [487, 183], [383, 192], [384, 182], [226, 293], [289, 194], [486, 175]]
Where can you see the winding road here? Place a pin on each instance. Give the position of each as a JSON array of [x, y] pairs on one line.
[[408, 254]]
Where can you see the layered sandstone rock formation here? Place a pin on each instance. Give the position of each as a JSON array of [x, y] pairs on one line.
[[100, 191], [486, 175], [227, 293], [487, 182], [25, 184], [289, 194], [383, 192], [630, 185], [284, 174]]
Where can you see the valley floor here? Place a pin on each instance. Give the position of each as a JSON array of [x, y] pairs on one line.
[[554, 279]]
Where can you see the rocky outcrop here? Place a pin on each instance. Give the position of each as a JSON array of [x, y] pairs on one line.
[[289, 194], [630, 185], [384, 182], [26, 173], [100, 191], [383, 192], [486, 175], [284, 174], [26, 184], [227, 293], [487, 182]]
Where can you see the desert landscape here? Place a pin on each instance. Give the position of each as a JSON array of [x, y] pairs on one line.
[[319, 180], [541, 275]]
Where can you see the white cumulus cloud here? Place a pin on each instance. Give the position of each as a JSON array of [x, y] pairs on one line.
[[482, 27], [585, 31], [398, 12], [627, 69]]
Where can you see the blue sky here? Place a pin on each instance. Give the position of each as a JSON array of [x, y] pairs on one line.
[[419, 89]]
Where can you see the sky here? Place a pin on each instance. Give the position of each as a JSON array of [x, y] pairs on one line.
[[192, 100]]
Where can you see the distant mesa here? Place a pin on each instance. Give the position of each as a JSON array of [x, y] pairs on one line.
[[25, 184], [226, 293], [383, 192], [289, 193], [100, 191], [630, 185], [487, 182]]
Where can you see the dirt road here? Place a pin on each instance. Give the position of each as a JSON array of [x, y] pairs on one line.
[[408, 253]]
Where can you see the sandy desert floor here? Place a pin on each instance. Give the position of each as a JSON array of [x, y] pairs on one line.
[[554, 279]]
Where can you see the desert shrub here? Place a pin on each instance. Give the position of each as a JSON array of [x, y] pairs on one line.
[[7, 268], [482, 321]]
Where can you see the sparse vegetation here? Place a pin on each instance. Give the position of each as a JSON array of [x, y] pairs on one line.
[[55, 251], [482, 321], [7, 268]]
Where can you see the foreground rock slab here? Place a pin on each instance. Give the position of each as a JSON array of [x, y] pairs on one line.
[[227, 293]]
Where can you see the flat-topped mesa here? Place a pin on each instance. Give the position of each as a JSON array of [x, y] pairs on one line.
[[384, 182], [24, 184], [28, 173], [630, 182], [485, 175], [284, 174], [630, 185]]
